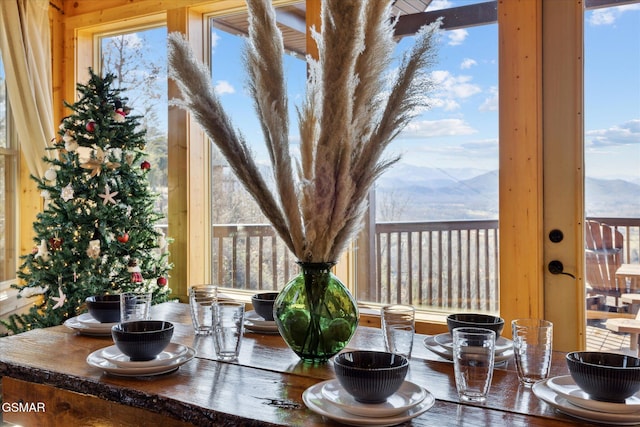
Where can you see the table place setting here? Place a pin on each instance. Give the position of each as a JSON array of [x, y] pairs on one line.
[[602, 387], [142, 348], [255, 323], [85, 324], [369, 390], [260, 320], [442, 344], [104, 312], [113, 362]]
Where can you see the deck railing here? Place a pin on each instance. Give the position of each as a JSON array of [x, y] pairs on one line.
[[444, 265]]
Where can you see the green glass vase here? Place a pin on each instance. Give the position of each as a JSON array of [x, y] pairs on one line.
[[315, 313]]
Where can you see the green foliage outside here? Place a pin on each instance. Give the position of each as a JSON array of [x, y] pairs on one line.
[[97, 231]]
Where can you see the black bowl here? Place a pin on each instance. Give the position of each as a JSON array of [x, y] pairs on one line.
[[370, 376], [474, 320], [609, 377], [263, 304], [104, 308], [142, 339]]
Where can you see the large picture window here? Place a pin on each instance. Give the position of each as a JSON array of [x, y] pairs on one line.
[[434, 235], [138, 59]]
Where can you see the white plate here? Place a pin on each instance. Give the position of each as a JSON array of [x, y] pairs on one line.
[[315, 401], [407, 396], [567, 388], [168, 355], [545, 393], [258, 328], [446, 340], [446, 353], [257, 320], [87, 320], [97, 361], [87, 329]]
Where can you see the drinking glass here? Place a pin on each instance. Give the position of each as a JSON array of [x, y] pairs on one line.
[[473, 361], [228, 322], [532, 346], [398, 328], [201, 300], [135, 306]]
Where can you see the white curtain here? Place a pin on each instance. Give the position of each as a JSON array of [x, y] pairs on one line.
[[25, 44]]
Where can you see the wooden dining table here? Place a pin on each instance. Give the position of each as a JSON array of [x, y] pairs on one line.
[[47, 369]]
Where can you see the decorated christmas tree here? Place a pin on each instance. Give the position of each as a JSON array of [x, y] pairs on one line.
[[97, 233]]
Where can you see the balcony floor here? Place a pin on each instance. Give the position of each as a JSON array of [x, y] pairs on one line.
[[600, 338]]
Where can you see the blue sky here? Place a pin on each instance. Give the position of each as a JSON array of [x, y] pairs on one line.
[[461, 128]]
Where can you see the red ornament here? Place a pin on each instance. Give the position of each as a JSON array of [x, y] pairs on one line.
[[91, 126], [136, 276], [55, 243], [162, 281], [123, 238], [145, 165]]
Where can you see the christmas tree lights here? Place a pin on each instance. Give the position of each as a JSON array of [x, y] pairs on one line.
[[97, 234]]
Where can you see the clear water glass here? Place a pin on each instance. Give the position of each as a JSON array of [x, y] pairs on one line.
[[532, 347], [473, 362], [201, 301], [398, 328], [228, 323]]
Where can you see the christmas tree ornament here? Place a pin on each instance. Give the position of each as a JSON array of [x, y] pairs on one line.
[[55, 243], [145, 165], [136, 276], [91, 126], [123, 238], [70, 143], [129, 157], [119, 116], [162, 241], [115, 153], [162, 281], [67, 193], [60, 299], [50, 174], [43, 251], [93, 251], [108, 196], [96, 163]]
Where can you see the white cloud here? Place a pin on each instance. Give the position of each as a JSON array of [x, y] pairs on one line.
[[625, 134], [133, 41], [468, 63], [224, 87], [214, 39], [456, 87], [608, 16], [491, 102], [456, 37], [433, 128], [439, 4]]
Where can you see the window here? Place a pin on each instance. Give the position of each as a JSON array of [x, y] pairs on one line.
[[436, 211], [8, 187], [138, 59], [453, 160], [612, 146], [246, 254]]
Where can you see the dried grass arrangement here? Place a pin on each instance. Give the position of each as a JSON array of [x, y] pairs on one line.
[[349, 116]]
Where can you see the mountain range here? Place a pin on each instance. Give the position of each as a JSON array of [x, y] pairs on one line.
[[414, 193]]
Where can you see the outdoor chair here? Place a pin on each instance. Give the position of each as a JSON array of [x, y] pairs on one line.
[[603, 256]]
